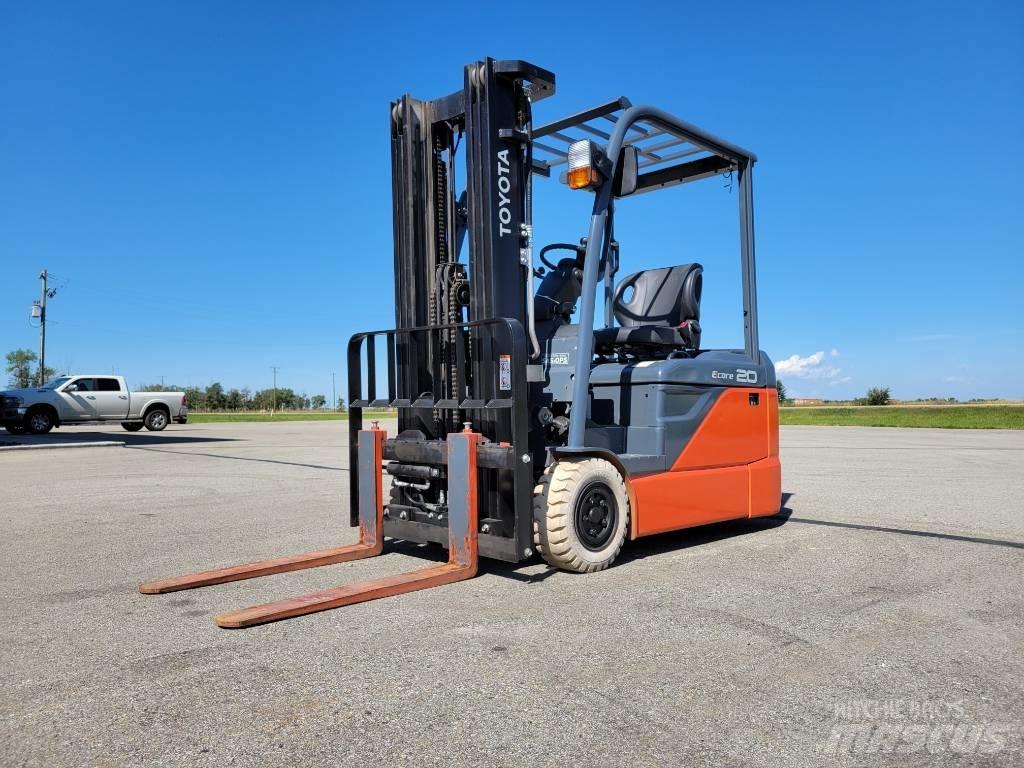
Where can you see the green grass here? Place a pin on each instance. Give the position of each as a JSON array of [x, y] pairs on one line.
[[936, 416], [210, 418], [941, 416]]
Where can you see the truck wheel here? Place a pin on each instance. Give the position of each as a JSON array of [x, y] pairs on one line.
[[39, 421], [580, 514], [132, 426], [156, 419]]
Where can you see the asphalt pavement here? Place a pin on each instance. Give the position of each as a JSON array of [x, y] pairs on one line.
[[879, 620]]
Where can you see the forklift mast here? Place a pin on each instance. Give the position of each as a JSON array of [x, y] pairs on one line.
[[489, 120], [471, 311]]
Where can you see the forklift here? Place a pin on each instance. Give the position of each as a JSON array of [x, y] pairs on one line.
[[523, 429]]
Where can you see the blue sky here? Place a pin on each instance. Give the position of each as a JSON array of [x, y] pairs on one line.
[[210, 182]]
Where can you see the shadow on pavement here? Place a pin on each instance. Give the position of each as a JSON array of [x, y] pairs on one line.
[[651, 546], [240, 458], [167, 437], [899, 531]]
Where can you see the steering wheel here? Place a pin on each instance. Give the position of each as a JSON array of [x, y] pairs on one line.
[[577, 249]]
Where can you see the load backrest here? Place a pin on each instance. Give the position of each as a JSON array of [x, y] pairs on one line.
[[666, 296]]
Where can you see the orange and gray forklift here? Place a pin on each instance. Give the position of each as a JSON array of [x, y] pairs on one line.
[[522, 428]]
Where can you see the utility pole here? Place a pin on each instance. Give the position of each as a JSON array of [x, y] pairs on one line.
[[334, 392], [42, 330], [39, 310], [274, 369]]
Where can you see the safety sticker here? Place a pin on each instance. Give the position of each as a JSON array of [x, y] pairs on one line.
[[505, 372]]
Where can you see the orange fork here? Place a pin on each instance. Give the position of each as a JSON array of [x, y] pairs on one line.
[[371, 538], [462, 539]]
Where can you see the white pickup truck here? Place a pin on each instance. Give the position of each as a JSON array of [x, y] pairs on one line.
[[82, 398]]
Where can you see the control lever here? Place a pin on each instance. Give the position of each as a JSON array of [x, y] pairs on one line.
[[526, 259]]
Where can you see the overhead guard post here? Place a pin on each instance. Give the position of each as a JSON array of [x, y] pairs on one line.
[[596, 245]]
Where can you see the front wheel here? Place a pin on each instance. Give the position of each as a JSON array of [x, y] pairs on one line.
[[131, 426], [156, 420], [580, 514], [39, 421]]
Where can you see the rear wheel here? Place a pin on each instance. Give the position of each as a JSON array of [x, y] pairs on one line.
[[580, 514], [156, 420], [39, 421], [132, 426]]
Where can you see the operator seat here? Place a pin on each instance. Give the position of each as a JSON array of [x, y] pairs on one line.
[[655, 308]]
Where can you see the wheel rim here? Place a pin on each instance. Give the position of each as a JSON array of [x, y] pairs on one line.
[[39, 421], [158, 419], [596, 515]]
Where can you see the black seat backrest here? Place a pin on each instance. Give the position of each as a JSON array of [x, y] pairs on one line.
[[666, 296]]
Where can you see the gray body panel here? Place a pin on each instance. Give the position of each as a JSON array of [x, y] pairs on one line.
[[647, 425], [715, 367], [646, 412]]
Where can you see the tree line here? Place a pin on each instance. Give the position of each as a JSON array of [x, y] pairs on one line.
[[874, 396], [215, 398]]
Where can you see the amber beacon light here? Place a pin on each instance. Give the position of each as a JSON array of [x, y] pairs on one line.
[[583, 172]]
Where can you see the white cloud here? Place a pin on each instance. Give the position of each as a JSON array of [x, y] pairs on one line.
[[810, 367], [955, 379], [839, 381], [834, 352]]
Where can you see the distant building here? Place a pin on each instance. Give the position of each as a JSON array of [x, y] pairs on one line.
[[807, 401]]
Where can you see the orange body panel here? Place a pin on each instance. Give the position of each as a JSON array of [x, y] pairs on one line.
[[773, 422], [765, 487], [729, 470], [668, 501], [734, 432], [766, 475]]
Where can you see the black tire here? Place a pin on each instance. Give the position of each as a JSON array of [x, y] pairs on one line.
[[580, 514], [132, 426], [39, 421], [15, 429], [156, 419]]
